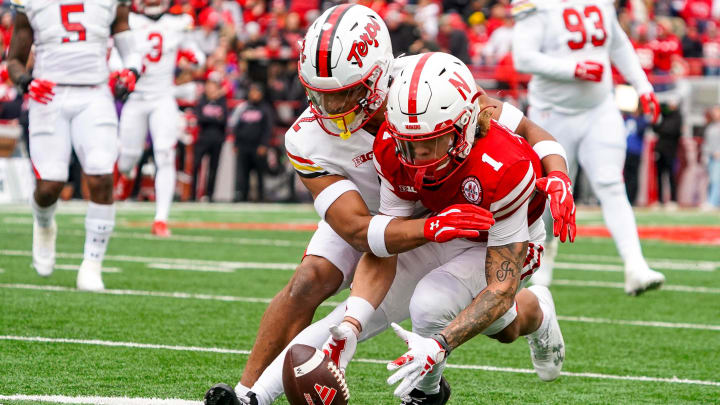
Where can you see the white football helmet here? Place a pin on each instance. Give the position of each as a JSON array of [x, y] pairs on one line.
[[432, 113], [151, 8], [345, 67]]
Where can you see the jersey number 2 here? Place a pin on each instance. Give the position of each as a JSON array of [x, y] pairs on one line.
[[575, 24], [155, 53], [65, 10]]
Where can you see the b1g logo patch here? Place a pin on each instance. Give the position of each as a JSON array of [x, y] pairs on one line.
[[472, 190]]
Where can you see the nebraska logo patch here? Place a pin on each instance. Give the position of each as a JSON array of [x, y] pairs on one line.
[[472, 190], [326, 394]]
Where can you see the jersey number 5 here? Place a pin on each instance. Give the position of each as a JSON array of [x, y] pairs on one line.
[[65, 10], [575, 24]]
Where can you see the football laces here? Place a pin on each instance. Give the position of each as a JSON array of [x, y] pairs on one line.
[[340, 378]]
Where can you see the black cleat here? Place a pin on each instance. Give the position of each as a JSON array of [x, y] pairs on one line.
[[221, 394], [418, 397]]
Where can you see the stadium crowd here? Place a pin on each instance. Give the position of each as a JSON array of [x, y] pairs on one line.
[[251, 75]]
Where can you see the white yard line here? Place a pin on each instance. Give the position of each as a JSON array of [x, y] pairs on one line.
[[258, 300], [608, 284], [75, 267], [64, 399], [170, 260], [681, 264], [95, 342], [80, 207]]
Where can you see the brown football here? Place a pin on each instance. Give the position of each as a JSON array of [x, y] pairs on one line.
[[310, 378]]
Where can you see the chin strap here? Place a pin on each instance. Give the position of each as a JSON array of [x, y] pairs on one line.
[[419, 175]]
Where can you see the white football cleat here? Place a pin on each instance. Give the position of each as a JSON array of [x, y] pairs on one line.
[[89, 276], [547, 347], [637, 281], [44, 248]]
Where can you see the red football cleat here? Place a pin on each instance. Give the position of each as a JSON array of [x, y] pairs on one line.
[[123, 187], [160, 228]]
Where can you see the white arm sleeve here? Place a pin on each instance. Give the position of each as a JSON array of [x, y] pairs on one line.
[[623, 56], [526, 51], [510, 229]]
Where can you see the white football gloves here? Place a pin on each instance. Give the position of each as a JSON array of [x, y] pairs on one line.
[[341, 344], [419, 360]]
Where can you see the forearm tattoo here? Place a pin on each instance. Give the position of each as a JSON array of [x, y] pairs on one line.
[[503, 266]]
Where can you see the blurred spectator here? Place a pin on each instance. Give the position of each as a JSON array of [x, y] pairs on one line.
[[692, 46], [207, 36], [711, 50], [478, 38], [668, 130], [452, 37], [697, 10], [500, 42], [711, 156], [498, 15], [426, 17], [666, 47], [6, 29], [402, 32], [252, 124], [635, 125], [211, 112], [644, 51]]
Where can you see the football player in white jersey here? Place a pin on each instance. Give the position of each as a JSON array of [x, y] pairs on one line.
[[569, 46], [161, 37], [71, 107], [345, 66]]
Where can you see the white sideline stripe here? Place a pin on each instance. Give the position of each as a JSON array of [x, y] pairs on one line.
[[181, 295], [360, 360], [141, 259], [176, 237], [639, 323], [63, 399], [230, 298], [75, 267], [80, 207], [607, 284], [190, 267]]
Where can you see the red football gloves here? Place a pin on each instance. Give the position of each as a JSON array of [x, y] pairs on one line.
[[589, 70], [649, 102], [37, 89], [562, 205], [458, 221], [122, 83]]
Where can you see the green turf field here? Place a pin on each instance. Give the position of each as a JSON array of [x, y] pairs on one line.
[[180, 314]]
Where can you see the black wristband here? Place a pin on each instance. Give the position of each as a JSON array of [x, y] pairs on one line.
[[135, 72], [443, 342], [23, 83]]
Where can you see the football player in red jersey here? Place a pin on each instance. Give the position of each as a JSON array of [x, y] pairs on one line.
[[441, 148]]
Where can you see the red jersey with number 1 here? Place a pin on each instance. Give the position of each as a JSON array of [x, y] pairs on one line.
[[498, 175]]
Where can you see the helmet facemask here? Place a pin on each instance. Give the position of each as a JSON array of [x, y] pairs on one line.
[[434, 156], [344, 110]]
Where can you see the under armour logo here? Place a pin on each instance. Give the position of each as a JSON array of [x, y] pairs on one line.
[[434, 225], [326, 394]]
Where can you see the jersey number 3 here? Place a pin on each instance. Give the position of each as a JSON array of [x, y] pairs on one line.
[[65, 11], [155, 53], [575, 24]]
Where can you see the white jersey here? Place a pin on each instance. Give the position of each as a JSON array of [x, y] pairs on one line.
[[551, 36], [159, 42], [70, 38], [314, 153]]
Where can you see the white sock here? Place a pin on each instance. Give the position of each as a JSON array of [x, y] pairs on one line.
[[359, 309], [620, 220], [546, 319], [164, 184], [99, 224], [241, 390], [270, 386], [43, 215]]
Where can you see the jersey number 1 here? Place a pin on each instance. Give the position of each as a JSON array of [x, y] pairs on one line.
[[575, 24], [65, 10]]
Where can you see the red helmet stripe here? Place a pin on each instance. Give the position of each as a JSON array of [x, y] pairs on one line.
[[324, 59], [412, 94]]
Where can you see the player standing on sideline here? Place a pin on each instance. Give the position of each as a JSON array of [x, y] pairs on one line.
[[71, 107], [568, 46], [345, 66], [162, 38]]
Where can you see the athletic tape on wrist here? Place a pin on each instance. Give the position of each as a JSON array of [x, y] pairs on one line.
[[376, 235], [510, 116], [327, 197], [359, 309], [545, 148]]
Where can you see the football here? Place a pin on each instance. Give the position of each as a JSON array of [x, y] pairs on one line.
[[311, 378]]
